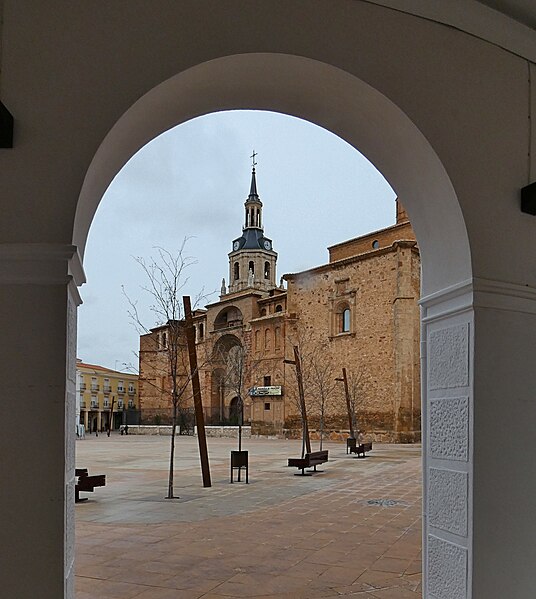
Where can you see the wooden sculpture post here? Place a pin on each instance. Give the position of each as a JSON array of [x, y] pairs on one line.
[[199, 417], [306, 441]]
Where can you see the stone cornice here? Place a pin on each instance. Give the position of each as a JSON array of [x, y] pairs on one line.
[[40, 264], [405, 243], [479, 293]]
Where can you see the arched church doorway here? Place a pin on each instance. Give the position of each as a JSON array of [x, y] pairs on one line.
[[235, 412], [228, 370]]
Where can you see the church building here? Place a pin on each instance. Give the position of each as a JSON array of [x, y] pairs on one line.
[[358, 312]]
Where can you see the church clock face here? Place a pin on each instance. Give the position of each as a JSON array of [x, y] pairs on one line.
[[267, 245], [236, 245]]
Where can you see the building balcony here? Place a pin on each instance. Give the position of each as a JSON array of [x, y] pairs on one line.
[[94, 405], [82, 405], [83, 386], [120, 404], [131, 404], [120, 389], [94, 387], [131, 391], [107, 389]]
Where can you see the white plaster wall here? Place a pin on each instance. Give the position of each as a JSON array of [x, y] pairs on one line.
[[443, 114], [447, 383], [504, 522], [32, 442]]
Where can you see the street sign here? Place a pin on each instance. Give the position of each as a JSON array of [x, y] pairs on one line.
[[272, 390]]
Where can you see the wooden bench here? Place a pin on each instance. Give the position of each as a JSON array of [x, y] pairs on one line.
[[361, 449], [310, 459], [87, 483]]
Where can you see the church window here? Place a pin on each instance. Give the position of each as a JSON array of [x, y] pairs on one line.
[[266, 405], [263, 312], [277, 337], [345, 321], [375, 244], [266, 270], [201, 330], [251, 266], [236, 271], [267, 380], [257, 340], [279, 308], [164, 340], [267, 339]]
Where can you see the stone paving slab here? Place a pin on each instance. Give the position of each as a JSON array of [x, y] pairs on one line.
[[353, 530]]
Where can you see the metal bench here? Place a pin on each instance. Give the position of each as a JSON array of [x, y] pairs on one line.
[[361, 449], [87, 483], [312, 459]]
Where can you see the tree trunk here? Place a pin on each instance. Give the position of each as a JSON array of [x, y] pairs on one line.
[[172, 454], [304, 436], [321, 428]]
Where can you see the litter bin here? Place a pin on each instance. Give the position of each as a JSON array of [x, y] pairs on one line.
[[239, 460]]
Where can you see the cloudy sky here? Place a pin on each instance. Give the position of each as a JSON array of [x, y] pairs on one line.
[[192, 182]]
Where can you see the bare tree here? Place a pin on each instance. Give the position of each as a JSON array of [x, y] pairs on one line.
[[240, 370], [320, 375], [166, 276], [301, 341], [236, 377]]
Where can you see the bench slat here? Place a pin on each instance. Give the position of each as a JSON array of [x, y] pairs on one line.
[[90, 482], [310, 459]]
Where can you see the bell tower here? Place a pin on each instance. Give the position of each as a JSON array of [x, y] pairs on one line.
[[252, 261]]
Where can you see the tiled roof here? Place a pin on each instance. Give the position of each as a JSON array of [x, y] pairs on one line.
[[103, 369]]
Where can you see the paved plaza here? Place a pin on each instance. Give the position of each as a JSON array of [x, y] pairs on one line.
[[353, 530]]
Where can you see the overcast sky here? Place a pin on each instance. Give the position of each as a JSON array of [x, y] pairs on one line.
[[192, 181]]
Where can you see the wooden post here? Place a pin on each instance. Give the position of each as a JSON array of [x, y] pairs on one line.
[[111, 416], [348, 404], [199, 418], [301, 394]]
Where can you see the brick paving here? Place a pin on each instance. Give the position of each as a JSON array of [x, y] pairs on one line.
[[353, 530]]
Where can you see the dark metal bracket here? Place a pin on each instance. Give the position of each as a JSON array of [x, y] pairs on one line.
[[6, 127], [528, 199]]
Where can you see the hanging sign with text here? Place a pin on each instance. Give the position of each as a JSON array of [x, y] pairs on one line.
[[273, 390]]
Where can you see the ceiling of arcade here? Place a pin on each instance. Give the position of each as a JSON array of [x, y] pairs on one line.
[[523, 11]]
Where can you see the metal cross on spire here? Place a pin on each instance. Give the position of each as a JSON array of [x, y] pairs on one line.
[[253, 163]]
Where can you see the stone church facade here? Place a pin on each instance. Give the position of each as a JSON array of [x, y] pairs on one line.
[[359, 311]]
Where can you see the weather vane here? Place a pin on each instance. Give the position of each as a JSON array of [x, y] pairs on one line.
[[253, 163]]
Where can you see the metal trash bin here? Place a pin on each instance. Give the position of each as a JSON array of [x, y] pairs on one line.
[[239, 460]]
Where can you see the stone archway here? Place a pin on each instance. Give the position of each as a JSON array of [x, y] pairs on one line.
[[324, 95], [432, 96], [351, 109], [235, 411]]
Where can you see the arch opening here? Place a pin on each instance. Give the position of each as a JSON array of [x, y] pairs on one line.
[[321, 94], [299, 87]]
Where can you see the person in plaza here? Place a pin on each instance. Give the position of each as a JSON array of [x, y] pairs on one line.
[[360, 438]]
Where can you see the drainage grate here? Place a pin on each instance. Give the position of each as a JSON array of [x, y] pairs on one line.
[[385, 502]]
